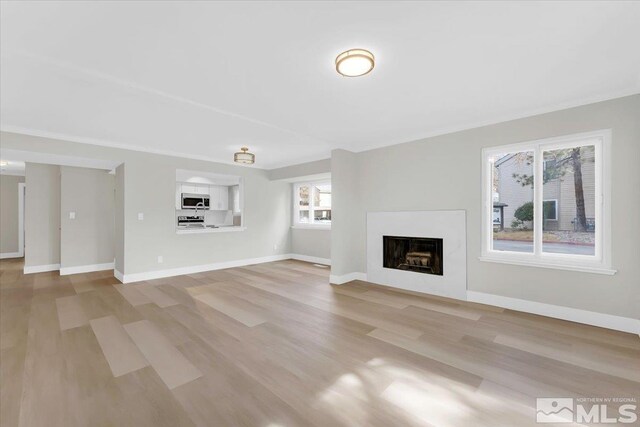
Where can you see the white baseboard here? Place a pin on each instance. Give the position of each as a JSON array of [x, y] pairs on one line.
[[312, 259], [339, 280], [41, 268], [159, 274], [10, 255], [602, 320], [118, 275], [86, 268]]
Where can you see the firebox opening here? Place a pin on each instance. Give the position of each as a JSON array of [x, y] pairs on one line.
[[418, 254]]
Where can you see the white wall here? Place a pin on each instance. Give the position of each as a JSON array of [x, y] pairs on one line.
[[348, 215], [311, 242], [119, 210], [9, 213], [89, 238], [444, 172], [303, 169], [42, 215], [149, 188], [308, 242]]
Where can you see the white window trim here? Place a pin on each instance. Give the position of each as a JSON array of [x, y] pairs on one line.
[[296, 204], [555, 201], [601, 262]]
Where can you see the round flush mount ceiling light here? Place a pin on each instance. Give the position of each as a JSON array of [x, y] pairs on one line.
[[244, 156], [355, 62]]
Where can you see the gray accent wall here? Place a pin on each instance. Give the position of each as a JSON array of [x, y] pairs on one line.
[[42, 214], [89, 238], [9, 213], [444, 172], [149, 188]]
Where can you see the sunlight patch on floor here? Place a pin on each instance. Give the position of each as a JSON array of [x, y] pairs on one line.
[[426, 404], [438, 400], [347, 399]]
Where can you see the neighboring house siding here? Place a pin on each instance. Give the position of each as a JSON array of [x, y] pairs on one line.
[[515, 195], [552, 190], [510, 191]]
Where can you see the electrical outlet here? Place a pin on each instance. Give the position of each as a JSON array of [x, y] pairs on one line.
[[275, 247], [72, 215], [140, 216], [160, 259]]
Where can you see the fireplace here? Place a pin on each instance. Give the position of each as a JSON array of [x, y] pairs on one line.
[[383, 264], [418, 254]]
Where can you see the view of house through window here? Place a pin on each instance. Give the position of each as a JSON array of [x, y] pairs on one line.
[[303, 204], [569, 223], [566, 208], [513, 199], [313, 203]]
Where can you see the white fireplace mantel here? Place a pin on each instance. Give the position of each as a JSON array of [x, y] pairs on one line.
[[450, 226]]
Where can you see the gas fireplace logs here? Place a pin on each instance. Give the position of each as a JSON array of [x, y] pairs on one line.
[[421, 259]]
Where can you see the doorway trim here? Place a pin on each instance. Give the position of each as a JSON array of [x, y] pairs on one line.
[[21, 192]]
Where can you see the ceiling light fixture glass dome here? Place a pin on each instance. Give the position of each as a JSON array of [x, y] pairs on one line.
[[244, 156], [355, 62]]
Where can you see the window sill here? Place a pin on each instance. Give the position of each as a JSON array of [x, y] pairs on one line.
[[552, 265], [311, 227]]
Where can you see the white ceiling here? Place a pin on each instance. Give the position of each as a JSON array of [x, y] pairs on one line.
[[201, 79]]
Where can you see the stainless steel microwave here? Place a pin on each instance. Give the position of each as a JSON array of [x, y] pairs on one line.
[[195, 201]]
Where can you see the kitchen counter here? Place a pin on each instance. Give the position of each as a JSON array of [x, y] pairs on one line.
[[220, 229]]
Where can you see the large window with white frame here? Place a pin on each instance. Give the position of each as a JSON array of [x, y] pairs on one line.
[[546, 203], [312, 204]]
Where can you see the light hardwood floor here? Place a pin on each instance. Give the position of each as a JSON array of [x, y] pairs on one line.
[[276, 345]]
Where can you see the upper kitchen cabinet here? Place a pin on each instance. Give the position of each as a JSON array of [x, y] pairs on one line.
[[195, 188], [219, 197]]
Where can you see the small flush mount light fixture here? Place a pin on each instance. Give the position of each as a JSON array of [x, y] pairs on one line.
[[244, 156], [355, 62], [3, 163]]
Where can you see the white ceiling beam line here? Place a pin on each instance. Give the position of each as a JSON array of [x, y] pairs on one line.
[[123, 146], [58, 159], [148, 90]]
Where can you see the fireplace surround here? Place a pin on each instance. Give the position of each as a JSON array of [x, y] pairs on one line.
[[448, 226]]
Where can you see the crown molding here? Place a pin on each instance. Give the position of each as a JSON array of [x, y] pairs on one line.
[[507, 118], [109, 144], [369, 147]]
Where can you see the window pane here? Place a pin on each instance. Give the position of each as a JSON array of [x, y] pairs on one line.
[[569, 201], [512, 190], [322, 204], [303, 193], [550, 210]]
